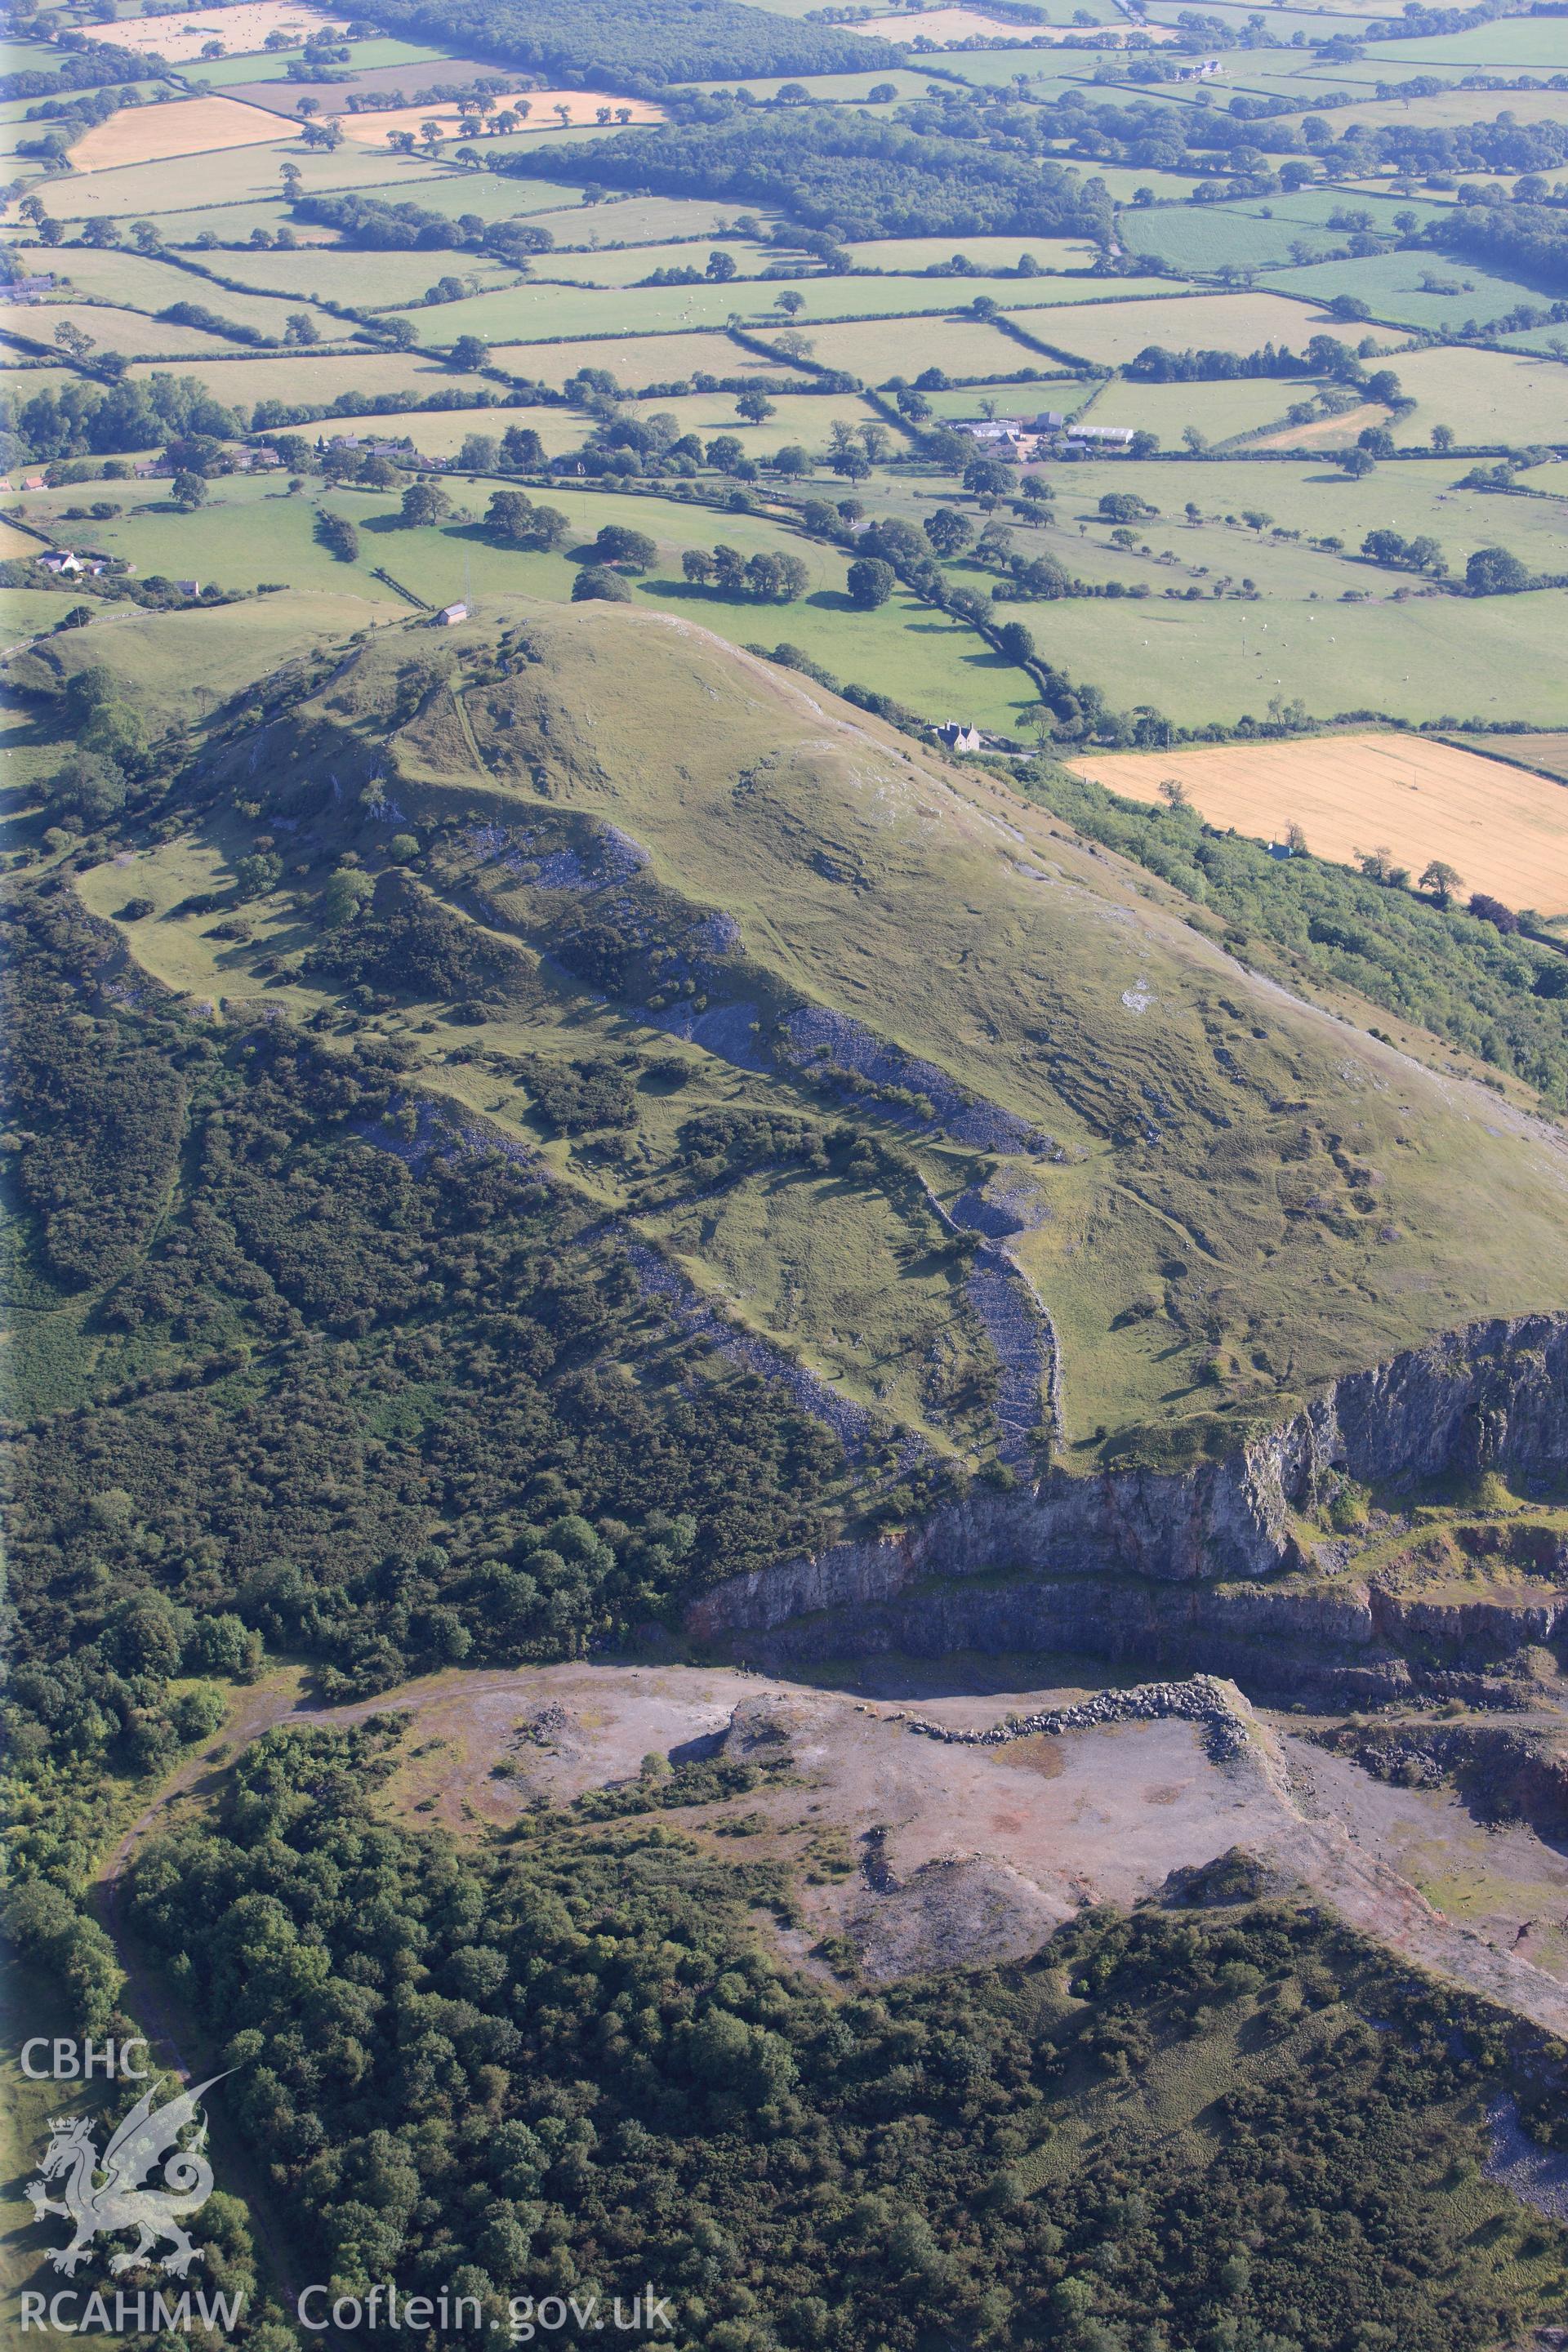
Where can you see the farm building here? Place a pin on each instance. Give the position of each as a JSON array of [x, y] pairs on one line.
[[958, 735], [450, 615]]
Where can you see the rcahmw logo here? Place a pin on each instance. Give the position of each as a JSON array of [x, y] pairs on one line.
[[101, 2196]]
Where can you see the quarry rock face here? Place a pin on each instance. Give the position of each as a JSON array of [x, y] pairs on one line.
[[1139, 1561]]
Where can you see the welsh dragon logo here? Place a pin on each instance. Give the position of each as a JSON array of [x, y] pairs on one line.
[[148, 2137]]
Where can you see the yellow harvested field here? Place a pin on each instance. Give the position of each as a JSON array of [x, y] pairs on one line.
[[372, 130], [635, 360], [1327, 432], [1502, 828], [189, 126], [241, 28]]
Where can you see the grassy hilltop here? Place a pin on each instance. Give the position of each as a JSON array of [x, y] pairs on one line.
[[1228, 1195]]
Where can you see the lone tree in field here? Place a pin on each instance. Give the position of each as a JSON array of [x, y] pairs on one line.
[[188, 491], [632, 548], [1442, 881], [870, 581], [425, 502]]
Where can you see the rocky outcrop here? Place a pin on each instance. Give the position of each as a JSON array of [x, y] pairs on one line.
[[1502, 1774], [1130, 1561]]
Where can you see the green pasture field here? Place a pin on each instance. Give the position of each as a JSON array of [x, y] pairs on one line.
[[233, 225], [1114, 332], [537, 311], [248, 531], [839, 90], [1310, 208], [1219, 410], [803, 419], [273, 65], [32, 56], [438, 189], [1495, 659], [1282, 22], [1122, 182], [31, 376], [251, 530], [1513, 45], [131, 191], [134, 281], [988, 254], [1486, 396], [1390, 284], [1412, 497], [300, 378], [24, 613], [1215, 236], [615, 268], [250, 65], [1066, 392], [341, 274], [1450, 107], [1536, 338]]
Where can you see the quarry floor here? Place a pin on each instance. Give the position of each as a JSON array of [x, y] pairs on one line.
[[926, 1853]]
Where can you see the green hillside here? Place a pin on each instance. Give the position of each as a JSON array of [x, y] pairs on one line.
[[1227, 1195]]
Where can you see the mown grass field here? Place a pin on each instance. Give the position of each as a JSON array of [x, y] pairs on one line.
[[182, 187], [1484, 396], [137, 282], [343, 274], [636, 361], [1113, 333], [134, 334], [876, 349], [301, 378], [1219, 410]]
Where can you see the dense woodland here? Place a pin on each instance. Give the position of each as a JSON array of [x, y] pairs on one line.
[[830, 167], [373, 1392], [863, 175], [633, 47], [569, 2062]]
